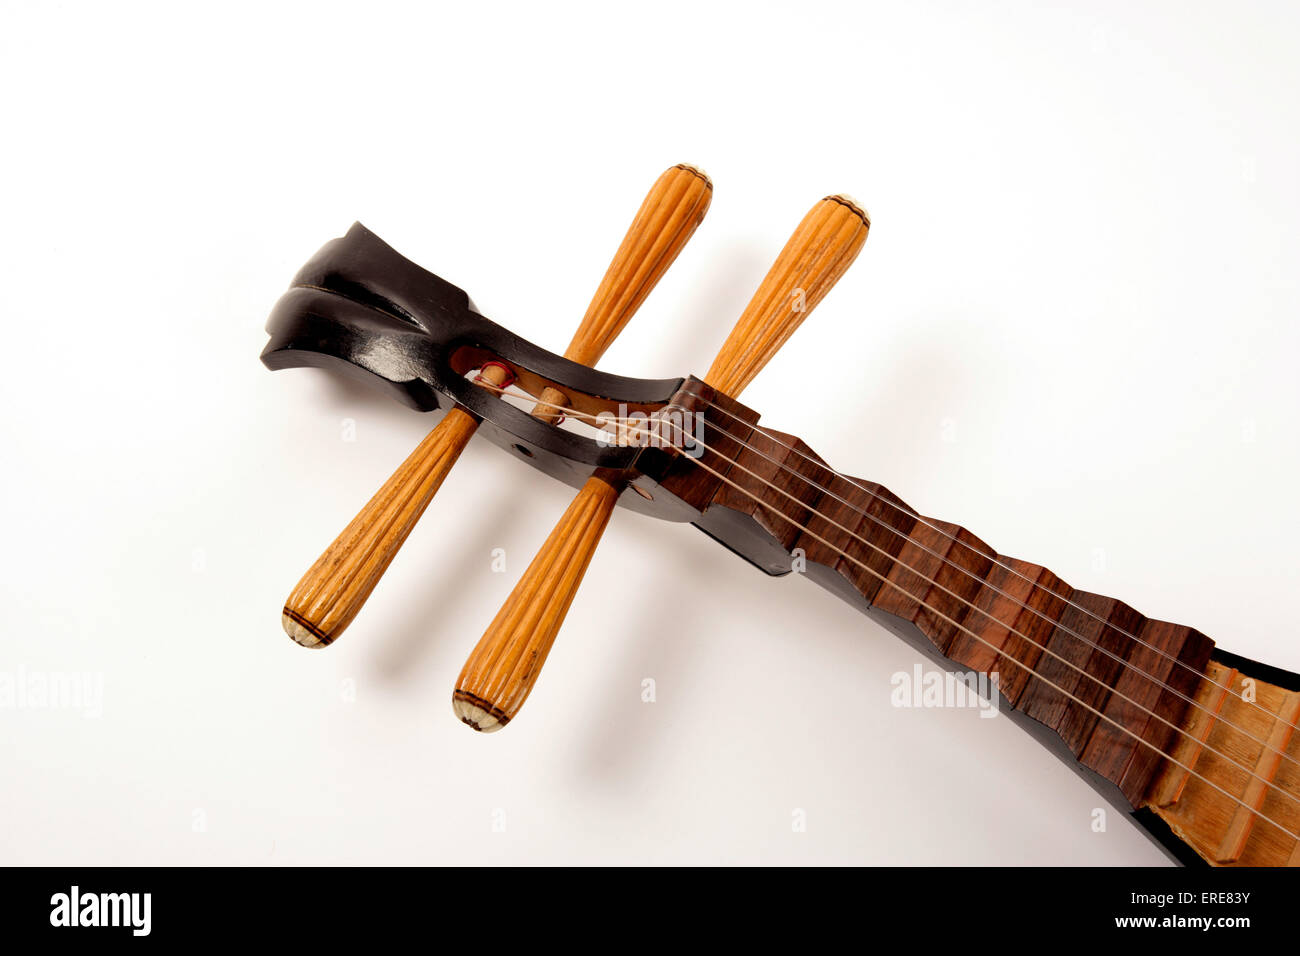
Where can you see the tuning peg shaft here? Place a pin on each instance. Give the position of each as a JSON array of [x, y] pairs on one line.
[[667, 218], [333, 591], [819, 252], [500, 673], [335, 588], [504, 666]]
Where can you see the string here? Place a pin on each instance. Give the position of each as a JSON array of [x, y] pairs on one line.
[[1028, 668], [990, 617], [921, 519], [1146, 675], [640, 426], [1152, 679]]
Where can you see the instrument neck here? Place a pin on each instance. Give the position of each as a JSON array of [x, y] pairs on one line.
[[1146, 708]]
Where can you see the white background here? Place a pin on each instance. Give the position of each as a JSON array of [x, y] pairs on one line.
[[1073, 330]]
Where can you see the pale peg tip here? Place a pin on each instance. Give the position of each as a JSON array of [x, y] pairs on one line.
[[302, 631], [478, 713]]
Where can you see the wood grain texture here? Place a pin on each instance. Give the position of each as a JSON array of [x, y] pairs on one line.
[[336, 587], [502, 669], [822, 247], [1260, 774], [1113, 684], [1138, 701], [669, 215], [1142, 704]]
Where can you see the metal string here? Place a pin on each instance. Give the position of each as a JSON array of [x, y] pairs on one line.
[[921, 519], [1148, 676], [641, 426], [1151, 678]]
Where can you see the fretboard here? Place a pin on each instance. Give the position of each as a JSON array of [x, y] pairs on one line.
[[1137, 702]]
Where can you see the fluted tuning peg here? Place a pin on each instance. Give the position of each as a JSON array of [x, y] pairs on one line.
[[333, 591], [504, 666]]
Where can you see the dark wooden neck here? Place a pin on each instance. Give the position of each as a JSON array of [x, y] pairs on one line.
[[1135, 703]]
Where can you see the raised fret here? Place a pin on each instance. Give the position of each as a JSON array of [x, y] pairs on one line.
[[1257, 788], [1238, 804], [1127, 695], [1188, 749], [1182, 664], [1107, 666], [1060, 669], [1065, 657]]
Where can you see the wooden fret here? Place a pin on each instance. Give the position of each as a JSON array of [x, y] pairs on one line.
[[1139, 702], [1117, 638], [884, 527], [1050, 696], [1022, 603], [1252, 800], [1199, 723], [1123, 692], [1185, 651], [1226, 829]]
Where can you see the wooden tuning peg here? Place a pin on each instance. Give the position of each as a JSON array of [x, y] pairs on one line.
[[504, 666], [336, 587]]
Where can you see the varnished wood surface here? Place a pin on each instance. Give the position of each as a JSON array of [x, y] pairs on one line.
[[503, 667], [671, 212], [669, 215], [823, 246], [501, 671], [336, 587], [333, 591], [982, 610], [1142, 697], [1129, 696]]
